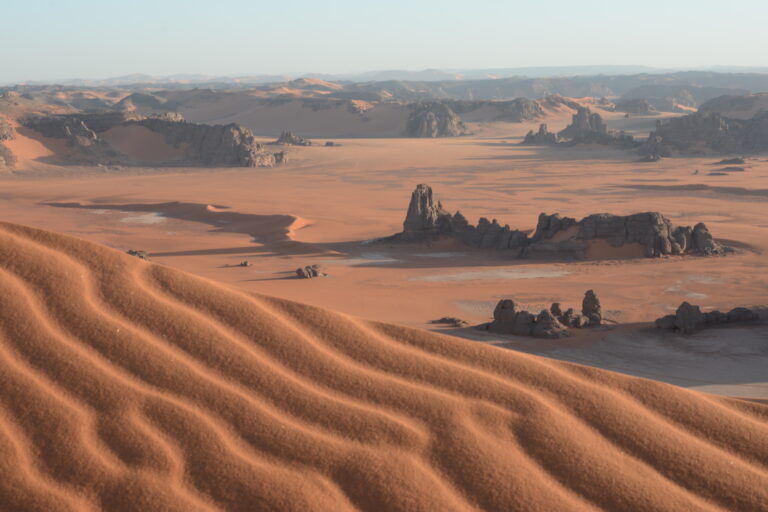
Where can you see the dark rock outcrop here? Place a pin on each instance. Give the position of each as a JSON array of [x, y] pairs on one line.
[[206, 145], [425, 218], [434, 119], [588, 127], [698, 133], [543, 137], [689, 318], [289, 139], [547, 326], [450, 320], [591, 308], [143, 255], [555, 236], [309, 272]]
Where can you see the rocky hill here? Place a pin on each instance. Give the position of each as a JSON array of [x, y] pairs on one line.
[[700, 133], [556, 237], [199, 144], [737, 107], [434, 119]]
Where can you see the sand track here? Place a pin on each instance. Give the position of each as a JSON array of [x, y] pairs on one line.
[[132, 386]]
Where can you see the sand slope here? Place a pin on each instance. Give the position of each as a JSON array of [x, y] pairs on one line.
[[127, 385]]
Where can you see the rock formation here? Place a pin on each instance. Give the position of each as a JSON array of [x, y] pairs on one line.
[[549, 323], [588, 127], [555, 236], [143, 255], [289, 139], [207, 145], [434, 119], [309, 272], [591, 308], [689, 318], [450, 320], [699, 132], [541, 138]]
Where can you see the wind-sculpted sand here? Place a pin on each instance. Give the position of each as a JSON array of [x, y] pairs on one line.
[[128, 385]]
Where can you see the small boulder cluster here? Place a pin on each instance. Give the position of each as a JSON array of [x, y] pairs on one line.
[[309, 272], [144, 255], [289, 139], [689, 318], [549, 323]]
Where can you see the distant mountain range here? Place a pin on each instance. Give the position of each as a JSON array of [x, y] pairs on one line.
[[426, 75]]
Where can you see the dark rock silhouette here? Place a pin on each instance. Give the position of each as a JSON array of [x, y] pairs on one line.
[[555, 236], [289, 139], [144, 255], [206, 145], [591, 308], [689, 318], [695, 133], [541, 138], [309, 272], [434, 119], [450, 320], [588, 127]]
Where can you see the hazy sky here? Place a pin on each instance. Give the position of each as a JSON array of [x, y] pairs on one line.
[[48, 40]]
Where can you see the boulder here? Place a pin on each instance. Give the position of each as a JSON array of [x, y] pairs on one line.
[[702, 242], [556, 310], [450, 320], [523, 324], [590, 308], [547, 326], [309, 272], [741, 315], [688, 318], [139, 254], [504, 316]]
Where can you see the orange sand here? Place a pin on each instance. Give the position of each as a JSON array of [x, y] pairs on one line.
[[141, 144], [128, 385]]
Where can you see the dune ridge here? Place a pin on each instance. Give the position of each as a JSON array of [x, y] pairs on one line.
[[127, 385]]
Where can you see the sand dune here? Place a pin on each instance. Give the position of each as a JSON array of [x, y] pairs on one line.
[[128, 385]]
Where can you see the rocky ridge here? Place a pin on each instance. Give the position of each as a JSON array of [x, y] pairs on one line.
[[555, 237], [689, 318], [434, 119], [699, 133], [204, 145]]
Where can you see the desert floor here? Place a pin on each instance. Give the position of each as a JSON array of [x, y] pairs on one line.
[[327, 204]]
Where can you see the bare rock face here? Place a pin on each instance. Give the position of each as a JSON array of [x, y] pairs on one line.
[[591, 308], [547, 326], [207, 145], [289, 139], [434, 120], [543, 137], [588, 127], [555, 236], [425, 218], [696, 132]]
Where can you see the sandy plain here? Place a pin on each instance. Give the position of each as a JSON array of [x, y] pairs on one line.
[[327, 204]]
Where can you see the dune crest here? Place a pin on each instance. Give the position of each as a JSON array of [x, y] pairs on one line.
[[131, 386]]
